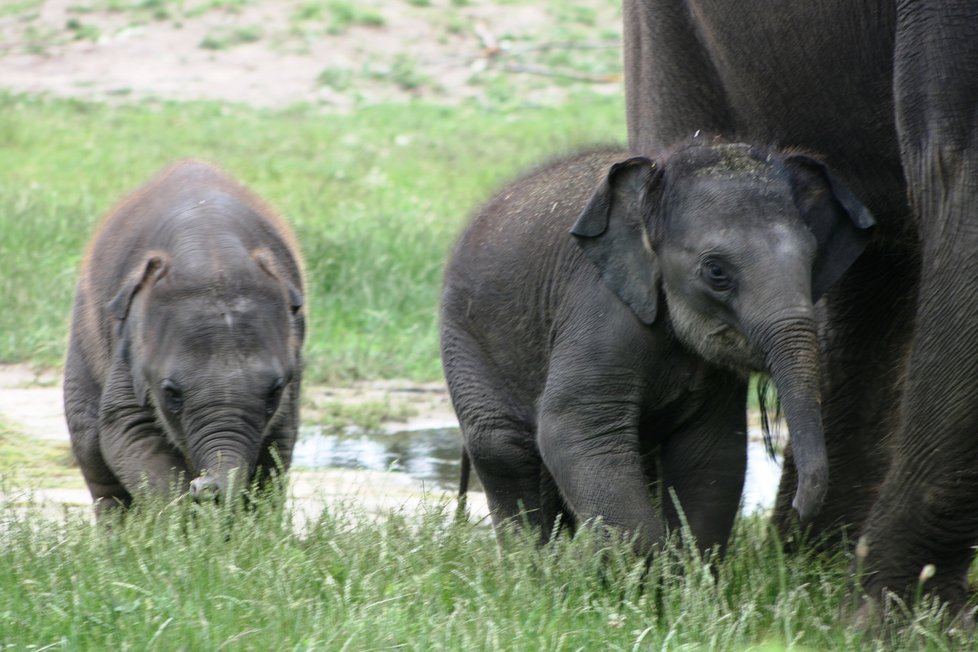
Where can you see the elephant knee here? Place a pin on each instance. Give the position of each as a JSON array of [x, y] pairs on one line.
[[503, 452]]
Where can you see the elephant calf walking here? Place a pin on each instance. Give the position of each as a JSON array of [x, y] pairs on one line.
[[597, 343], [184, 358]]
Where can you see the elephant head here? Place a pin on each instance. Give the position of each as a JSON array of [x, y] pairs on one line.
[[731, 245], [212, 347]]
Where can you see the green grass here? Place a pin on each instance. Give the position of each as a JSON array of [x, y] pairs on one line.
[[345, 14], [44, 462], [377, 197], [365, 416], [221, 39], [82, 31], [15, 7], [158, 9], [172, 577]]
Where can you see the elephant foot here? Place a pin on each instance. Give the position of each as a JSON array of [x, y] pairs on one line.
[[109, 500], [888, 599], [873, 614]]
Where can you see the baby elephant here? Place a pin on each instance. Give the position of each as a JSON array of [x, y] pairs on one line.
[[597, 349], [184, 359]]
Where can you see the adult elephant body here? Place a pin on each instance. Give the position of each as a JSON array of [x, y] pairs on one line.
[[887, 94], [184, 358]]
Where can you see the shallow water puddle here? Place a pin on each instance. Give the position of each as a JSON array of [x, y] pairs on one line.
[[433, 457]]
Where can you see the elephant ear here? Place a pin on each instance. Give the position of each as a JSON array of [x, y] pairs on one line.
[[150, 270], [842, 225], [268, 264], [612, 232]]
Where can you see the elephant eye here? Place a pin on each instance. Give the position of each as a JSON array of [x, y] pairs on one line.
[[172, 397], [274, 395], [716, 276]]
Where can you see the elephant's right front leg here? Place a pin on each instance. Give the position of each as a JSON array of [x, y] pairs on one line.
[[135, 449], [588, 440]]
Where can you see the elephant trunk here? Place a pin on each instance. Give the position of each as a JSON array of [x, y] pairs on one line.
[[223, 462], [790, 348]]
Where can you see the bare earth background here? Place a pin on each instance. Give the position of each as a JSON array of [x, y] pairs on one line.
[[335, 54]]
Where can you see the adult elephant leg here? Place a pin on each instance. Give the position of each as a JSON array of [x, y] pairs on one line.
[[862, 358], [671, 83], [555, 516], [926, 512], [703, 468]]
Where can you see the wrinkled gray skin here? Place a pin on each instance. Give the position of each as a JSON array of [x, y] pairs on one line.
[[184, 359], [597, 346], [887, 93]]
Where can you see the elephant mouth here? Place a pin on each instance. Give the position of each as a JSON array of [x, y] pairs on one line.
[[733, 349], [714, 340]]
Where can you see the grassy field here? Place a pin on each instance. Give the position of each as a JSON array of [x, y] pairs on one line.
[[172, 578], [377, 197]]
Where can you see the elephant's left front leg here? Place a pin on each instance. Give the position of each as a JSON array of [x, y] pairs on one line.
[[588, 440], [703, 469], [276, 451]]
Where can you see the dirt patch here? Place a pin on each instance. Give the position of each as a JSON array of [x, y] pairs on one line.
[[31, 403], [334, 53]]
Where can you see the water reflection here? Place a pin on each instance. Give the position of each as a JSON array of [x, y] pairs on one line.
[[433, 456]]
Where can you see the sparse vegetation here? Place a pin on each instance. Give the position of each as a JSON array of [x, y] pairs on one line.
[[359, 417], [565, 44], [404, 72], [336, 78], [42, 463], [83, 31], [345, 14], [20, 7], [225, 38]]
